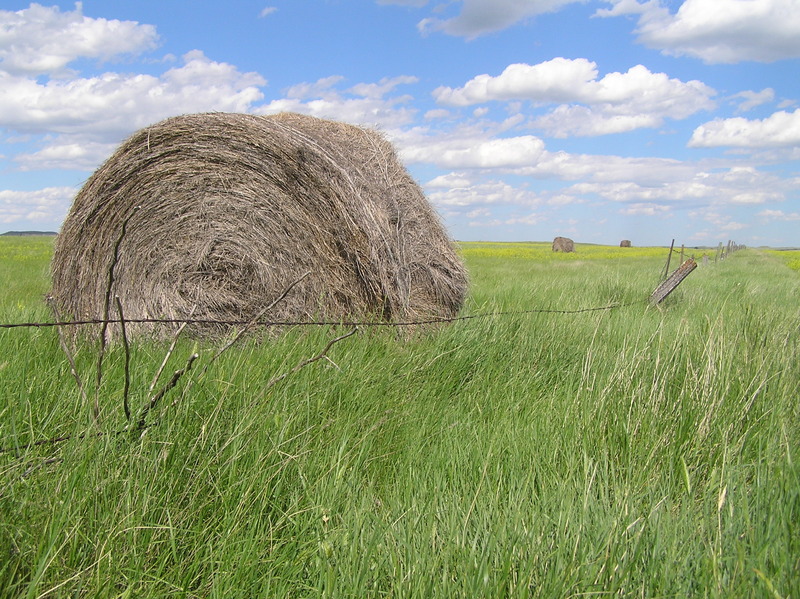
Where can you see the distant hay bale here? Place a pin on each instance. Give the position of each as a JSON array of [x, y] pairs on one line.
[[563, 244], [625, 243], [233, 208]]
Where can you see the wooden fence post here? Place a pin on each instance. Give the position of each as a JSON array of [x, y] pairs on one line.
[[669, 256], [667, 287]]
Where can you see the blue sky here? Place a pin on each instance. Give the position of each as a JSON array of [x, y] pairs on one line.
[[647, 120]]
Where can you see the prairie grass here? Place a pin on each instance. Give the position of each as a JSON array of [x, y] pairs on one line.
[[636, 451]]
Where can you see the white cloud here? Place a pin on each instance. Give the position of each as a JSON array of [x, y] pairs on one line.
[[589, 105], [111, 104], [512, 152], [48, 205], [265, 12], [42, 39], [646, 209], [528, 219], [556, 80], [68, 153], [368, 104], [751, 99], [723, 223], [780, 129], [450, 181], [437, 113], [318, 89], [609, 169], [772, 215], [582, 121], [484, 193], [479, 212], [382, 88], [479, 17], [717, 31], [737, 185]]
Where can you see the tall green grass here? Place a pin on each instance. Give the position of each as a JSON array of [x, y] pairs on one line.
[[638, 451]]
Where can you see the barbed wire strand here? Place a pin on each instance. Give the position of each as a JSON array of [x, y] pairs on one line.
[[295, 323], [183, 322]]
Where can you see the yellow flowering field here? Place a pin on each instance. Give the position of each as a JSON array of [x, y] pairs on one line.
[[543, 251], [26, 248], [791, 257]]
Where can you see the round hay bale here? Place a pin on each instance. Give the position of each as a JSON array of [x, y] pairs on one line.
[[625, 243], [563, 244], [223, 212]]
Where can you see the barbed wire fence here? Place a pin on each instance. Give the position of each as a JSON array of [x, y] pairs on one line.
[[156, 395]]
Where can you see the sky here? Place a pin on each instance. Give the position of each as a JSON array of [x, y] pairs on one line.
[[522, 120]]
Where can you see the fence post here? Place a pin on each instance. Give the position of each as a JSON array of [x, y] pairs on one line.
[[669, 257], [668, 286]]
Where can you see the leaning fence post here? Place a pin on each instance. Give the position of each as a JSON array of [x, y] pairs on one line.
[[663, 290], [669, 256]]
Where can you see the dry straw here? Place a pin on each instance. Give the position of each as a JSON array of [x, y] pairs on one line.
[[222, 212], [563, 244]]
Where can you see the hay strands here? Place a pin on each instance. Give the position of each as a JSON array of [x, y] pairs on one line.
[[223, 210]]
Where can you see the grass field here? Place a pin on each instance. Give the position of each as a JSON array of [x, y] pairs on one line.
[[629, 452]]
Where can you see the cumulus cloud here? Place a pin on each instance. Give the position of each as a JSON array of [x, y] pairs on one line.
[[41, 39], [736, 185], [483, 193], [556, 80], [48, 205], [104, 108], [723, 223], [479, 17], [608, 169], [649, 209], [528, 220], [371, 104], [717, 31], [772, 215], [502, 153], [68, 152], [450, 181], [780, 129], [589, 105], [437, 113], [751, 99]]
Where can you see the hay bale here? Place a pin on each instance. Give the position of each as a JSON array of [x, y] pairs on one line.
[[233, 208], [563, 244], [625, 243]]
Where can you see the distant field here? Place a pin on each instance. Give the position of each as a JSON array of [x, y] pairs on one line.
[[543, 251], [633, 451], [790, 257]]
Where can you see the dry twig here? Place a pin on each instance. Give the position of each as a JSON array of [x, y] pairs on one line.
[[319, 356], [127, 384], [176, 376], [106, 309], [65, 348]]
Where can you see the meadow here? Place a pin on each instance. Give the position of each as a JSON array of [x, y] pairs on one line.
[[633, 451]]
